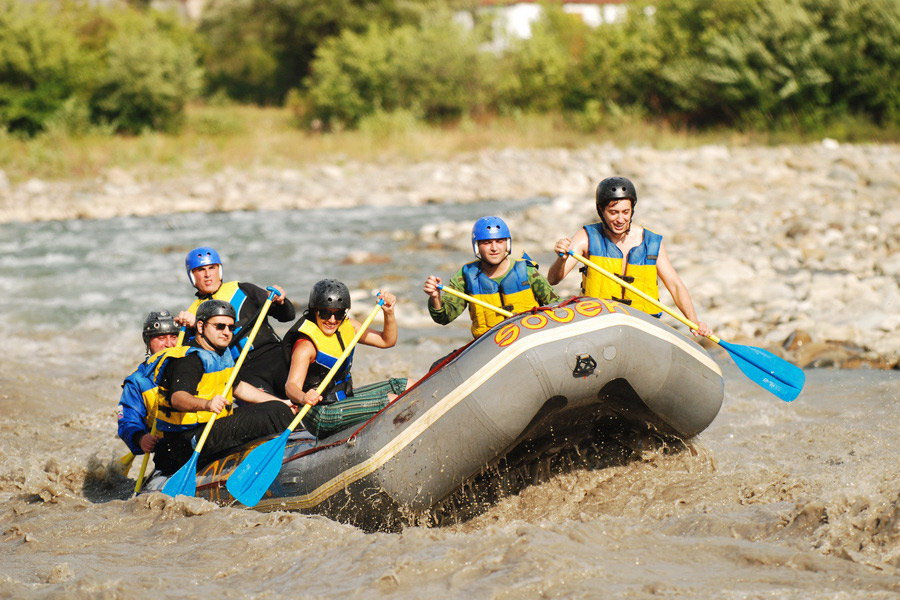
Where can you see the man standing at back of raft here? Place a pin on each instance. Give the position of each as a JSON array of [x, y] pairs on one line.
[[513, 284], [265, 366], [137, 404], [190, 382], [635, 254]]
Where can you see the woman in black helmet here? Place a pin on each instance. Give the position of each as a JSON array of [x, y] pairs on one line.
[[632, 252], [313, 345]]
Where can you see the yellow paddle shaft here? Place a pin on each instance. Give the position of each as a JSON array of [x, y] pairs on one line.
[[647, 297], [473, 300], [140, 480], [237, 367], [337, 365]]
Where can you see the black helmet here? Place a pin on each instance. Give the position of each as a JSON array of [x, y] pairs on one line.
[[329, 293], [615, 188], [159, 323], [215, 308]]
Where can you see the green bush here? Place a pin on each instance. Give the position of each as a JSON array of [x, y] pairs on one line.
[[535, 72], [863, 51], [42, 66], [257, 50], [434, 71], [74, 66], [768, 63], [148, 79], [768, 68]]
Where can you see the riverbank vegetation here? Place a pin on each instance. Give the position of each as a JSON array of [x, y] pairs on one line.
[[84, 87]]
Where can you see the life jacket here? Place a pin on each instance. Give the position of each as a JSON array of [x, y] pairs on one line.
[[640, 270], [513, 293], [235, 296], [217, 370], [139, 402], [328, 349]]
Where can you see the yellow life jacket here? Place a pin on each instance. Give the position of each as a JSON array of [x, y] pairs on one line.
[[234, 295], [640, 269], [328, 349], [217, 370], [513, 293]]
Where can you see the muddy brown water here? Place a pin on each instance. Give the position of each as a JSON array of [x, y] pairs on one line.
[[774, 500]]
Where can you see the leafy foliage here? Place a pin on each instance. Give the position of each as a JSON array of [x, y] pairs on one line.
[[41, 66], [433, 71], [64, 63], [257, 50]]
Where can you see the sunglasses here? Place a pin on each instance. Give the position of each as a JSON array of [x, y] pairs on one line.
[[326, 314], [222, 326]]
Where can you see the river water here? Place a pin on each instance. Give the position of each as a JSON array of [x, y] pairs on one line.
[[774, 500]]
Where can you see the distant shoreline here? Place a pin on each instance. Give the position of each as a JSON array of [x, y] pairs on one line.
[[793, 248]]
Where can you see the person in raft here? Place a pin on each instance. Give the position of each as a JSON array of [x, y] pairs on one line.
[[191, 380], [634, 253], [264, 367], [313, 345], [137, 404], [514, 284]]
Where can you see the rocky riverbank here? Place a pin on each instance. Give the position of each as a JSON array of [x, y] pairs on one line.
[[793, 248]]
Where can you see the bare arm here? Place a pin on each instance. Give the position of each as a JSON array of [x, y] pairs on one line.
[[578, 244], [430, 287], [303, 355], [679, 291], [387, 337], [252, 395], [185, 402]]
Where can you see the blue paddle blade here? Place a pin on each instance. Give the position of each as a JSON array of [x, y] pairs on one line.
[[767, 370], [250, 481], [184, 481]]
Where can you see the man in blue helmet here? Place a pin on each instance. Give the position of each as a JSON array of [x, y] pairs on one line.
[[137, 404], [513, 284], [265, 366]]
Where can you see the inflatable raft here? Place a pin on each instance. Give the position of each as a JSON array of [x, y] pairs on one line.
[[534, 385]]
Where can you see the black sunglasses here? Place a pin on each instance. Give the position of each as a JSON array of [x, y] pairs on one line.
[[222, 326], [326, 314]]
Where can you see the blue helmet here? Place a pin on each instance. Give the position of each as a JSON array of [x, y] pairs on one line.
[[198, 257], [490, 228]]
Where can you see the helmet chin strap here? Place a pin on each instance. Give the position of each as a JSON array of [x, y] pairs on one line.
[[208, 341]]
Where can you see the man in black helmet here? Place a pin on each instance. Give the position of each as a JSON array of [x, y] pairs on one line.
[[137, 404], [637, 255], [191, 381], [264, 367]]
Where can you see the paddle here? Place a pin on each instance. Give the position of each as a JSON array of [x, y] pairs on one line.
[[776, 375], [250, 480], [126, 462], [140, 480], [184, 481], [474, 300]]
